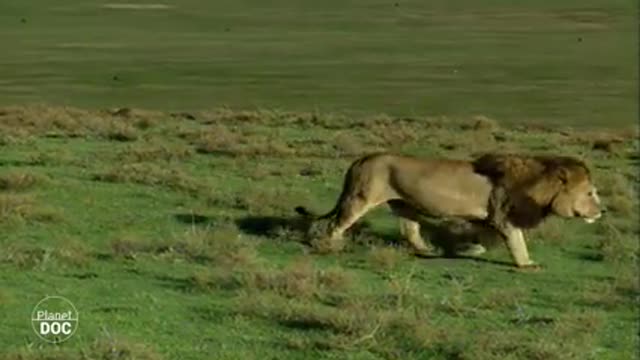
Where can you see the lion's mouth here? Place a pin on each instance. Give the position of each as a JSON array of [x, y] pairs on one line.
[[591, 220]]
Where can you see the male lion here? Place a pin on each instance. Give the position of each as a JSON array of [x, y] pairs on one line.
[[507, 192]]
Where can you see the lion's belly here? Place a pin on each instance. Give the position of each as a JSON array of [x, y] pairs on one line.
[[461, 195]]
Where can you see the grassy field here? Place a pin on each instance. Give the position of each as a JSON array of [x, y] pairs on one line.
[[570, 62], [175, 238], [172, 230]]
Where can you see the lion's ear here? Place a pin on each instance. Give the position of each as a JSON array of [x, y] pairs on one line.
[[563, 175]]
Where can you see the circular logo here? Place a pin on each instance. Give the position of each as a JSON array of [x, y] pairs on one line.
[[54, 319]]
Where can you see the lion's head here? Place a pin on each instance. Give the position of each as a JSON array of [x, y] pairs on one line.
[[577, 197], [536, 186]]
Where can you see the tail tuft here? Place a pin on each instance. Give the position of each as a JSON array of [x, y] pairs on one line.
[[303, 211]]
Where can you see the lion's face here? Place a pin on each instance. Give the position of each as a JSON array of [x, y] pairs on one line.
[[580, 199]]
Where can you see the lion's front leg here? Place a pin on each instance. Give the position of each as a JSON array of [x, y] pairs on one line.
[[514, 239]]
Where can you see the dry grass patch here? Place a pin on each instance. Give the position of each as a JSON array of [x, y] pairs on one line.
[[105, 348], [230, 141], [120, 348], [42, 119], [118, 131], [608, 142], [481, 123], [224, 247], [128, 246], [502, 299], [393, 135], [66, 252], [386, 259], [151, 174], [62, 121], [300, 279], [618, 194], [154, 152], [20, 181], [19, 209], [23, 255], [614, 246], [73, 252]]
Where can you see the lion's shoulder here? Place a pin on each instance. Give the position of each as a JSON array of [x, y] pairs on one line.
[[518, 170]]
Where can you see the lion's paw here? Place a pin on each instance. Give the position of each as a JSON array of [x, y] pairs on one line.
[[530, 267]]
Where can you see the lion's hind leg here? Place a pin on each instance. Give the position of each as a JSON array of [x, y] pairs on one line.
[[409, 226], [348, 213]]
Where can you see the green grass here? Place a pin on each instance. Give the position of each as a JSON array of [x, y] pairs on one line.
[[556, 62], [170, 251]]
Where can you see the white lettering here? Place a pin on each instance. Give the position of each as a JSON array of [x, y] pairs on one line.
[[66, 328], [55, 328], [44, 328]]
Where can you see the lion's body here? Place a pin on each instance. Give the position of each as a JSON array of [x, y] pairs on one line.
[[439, 188], [504, 191]]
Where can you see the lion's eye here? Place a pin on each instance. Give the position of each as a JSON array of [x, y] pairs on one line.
[[590, 193]]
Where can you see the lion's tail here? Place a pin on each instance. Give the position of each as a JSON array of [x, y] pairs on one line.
[[346, 190], [309, 214]]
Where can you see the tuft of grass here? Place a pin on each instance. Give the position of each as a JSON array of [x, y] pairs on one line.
[[224, 246], [614, 246], [617, 193], [482, 123], [73, 252], [20, 181], [120, 348], [104, 348], [129, 246], [502, 299], [386, 258], [118, 131], [69, 252], [24, 255], [15, 206], [154, 152], [19, 209], [302, 279]]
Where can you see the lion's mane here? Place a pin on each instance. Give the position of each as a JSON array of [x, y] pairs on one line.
[[525, 185]]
